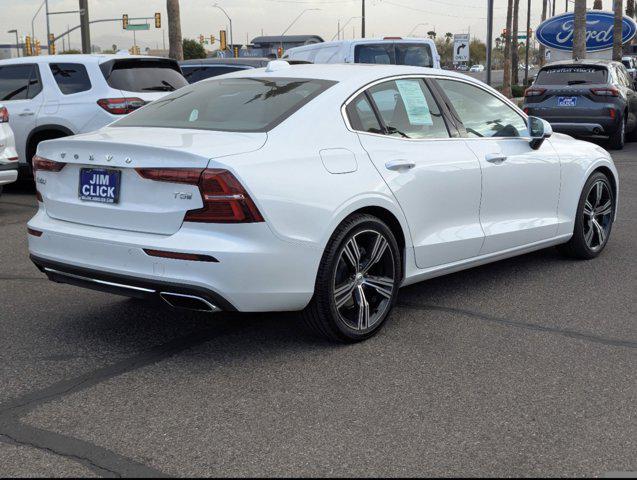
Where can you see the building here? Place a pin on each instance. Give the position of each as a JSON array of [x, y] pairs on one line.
[[269, 45], [8, 50]]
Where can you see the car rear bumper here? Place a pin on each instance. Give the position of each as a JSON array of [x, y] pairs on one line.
[[8, 173], [580, 129], [255, 270]]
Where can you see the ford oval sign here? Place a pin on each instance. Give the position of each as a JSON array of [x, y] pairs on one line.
[[557, 32]]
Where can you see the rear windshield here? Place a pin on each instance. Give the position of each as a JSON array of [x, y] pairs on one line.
[[196, 74], [229, 105], [141, 75], [572, 75], [416, 54]]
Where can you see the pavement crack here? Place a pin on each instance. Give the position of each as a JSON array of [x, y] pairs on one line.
[[527, 326]]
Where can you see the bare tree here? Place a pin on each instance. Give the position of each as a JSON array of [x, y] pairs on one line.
[[542, 51], [506, 82], [176, 49], [579, 30], [515, 50], [618, 9], [630, 8], [597, 5]]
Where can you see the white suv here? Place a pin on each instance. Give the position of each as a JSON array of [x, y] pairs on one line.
[[60, 95], [8, 155]]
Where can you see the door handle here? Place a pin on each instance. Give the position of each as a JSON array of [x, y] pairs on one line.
[[26, 113], [496, 158], [398, 165]]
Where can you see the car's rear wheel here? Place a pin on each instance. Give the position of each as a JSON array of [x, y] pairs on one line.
[[594, 219], [357, 282], [618, 139]]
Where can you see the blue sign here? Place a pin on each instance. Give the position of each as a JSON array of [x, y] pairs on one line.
[[557, 32]]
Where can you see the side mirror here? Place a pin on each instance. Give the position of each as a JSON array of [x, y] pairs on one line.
[[539, 130]]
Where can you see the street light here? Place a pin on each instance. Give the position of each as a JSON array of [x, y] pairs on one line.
[[340, 29], [17, 41], [230, 21], [294, 21], [33, 21], [417, 25]]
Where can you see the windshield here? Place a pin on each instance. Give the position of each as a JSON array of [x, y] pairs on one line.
[[229, 105], [390, 53], [572, 75], [133, 75]]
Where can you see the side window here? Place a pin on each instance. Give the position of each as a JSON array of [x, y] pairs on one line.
[[14, 82], [361, 116], [408, 109], [71, 77], [483, 114], [324, 55], [35, 85]]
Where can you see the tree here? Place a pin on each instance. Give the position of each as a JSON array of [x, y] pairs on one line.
[[579, 30], [618, 8], [448, 37], [193, 49], [630, 8], [597, 5], [477, 51], [176, 50], [506, 81], [431, 34], [542, 52], [515, 52]]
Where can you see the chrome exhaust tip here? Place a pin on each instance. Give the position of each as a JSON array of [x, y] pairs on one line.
[[188, 302]]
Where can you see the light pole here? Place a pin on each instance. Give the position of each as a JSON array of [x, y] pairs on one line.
[[17, 41], [416, 26], [229, 21], [489, 39], [294, 21], [48, 28], [340, 29], [528, 41], [33, 21]]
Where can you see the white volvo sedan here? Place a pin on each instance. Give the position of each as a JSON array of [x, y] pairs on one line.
[[321, 188]]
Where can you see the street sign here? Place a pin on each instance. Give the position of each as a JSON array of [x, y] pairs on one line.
[[461, 47], [139, 26]]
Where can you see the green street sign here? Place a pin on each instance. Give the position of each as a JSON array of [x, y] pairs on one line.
[[139, 26]]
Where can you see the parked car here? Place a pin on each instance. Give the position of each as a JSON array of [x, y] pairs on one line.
[[8, 155], [477, 68], [463, 67], [419, 52], [200, 69], [585, 98], [57, 96], [313, 187], [631, 66]]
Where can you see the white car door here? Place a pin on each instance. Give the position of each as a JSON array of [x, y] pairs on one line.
[[21, 93], [435, 178], [521, 186]]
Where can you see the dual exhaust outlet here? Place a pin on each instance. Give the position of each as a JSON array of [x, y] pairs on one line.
[[188, 302]]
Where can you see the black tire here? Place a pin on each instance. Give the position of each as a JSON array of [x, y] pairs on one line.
[[618, 139], [578, 246], [336, 323], [1, 187]]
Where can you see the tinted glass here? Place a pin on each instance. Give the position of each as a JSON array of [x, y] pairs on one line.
[[572, 75], [483, 114], [382, 53], [144, 76], [231, 105], [71, 77], [626, 63], [361, 116], [418, 55], [19, 82], [408, 109], [196, 74]]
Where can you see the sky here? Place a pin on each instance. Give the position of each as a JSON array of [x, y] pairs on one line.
[[251, 18]]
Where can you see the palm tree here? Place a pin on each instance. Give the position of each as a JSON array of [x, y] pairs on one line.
[[630, 8], [542, 51], [579, 30], [597, 5], [431, 34], [448, 37], [618, 8], [176, 49], [506, 81], [515, 51]]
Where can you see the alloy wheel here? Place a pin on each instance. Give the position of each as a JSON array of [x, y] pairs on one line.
[[364, 280], [597, 215]]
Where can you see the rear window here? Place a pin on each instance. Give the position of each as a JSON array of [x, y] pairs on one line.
[[71, 77], [141, 75], [19, 82], [229, 105], [196, 74], [572, 75], [416, 54]]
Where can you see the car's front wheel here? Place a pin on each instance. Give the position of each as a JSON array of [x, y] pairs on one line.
[[357, 282], [594, 219]]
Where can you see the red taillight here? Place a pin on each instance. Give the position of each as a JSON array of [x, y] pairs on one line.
[[35, 233], [526, 110], [534, 92], [612, 113], [605, 92], [44, 165], [194, 257], [4, 115], [224, 198], [120, 106]]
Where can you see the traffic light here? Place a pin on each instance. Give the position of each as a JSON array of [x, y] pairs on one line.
[[236, 52], [52, 50], [134, 50], [158, 20], [38, 48], [212, 39], [124, 21], [202, 39], [28, 46], [279, 52], [223, 41]]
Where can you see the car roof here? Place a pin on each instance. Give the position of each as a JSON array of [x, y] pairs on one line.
[[362, 41], [248, 61], [588, 61], [79, 58]]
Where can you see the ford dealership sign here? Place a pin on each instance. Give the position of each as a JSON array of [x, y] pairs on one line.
[[557, 32]]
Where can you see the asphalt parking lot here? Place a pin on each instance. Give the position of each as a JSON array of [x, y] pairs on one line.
[[523, 367]]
